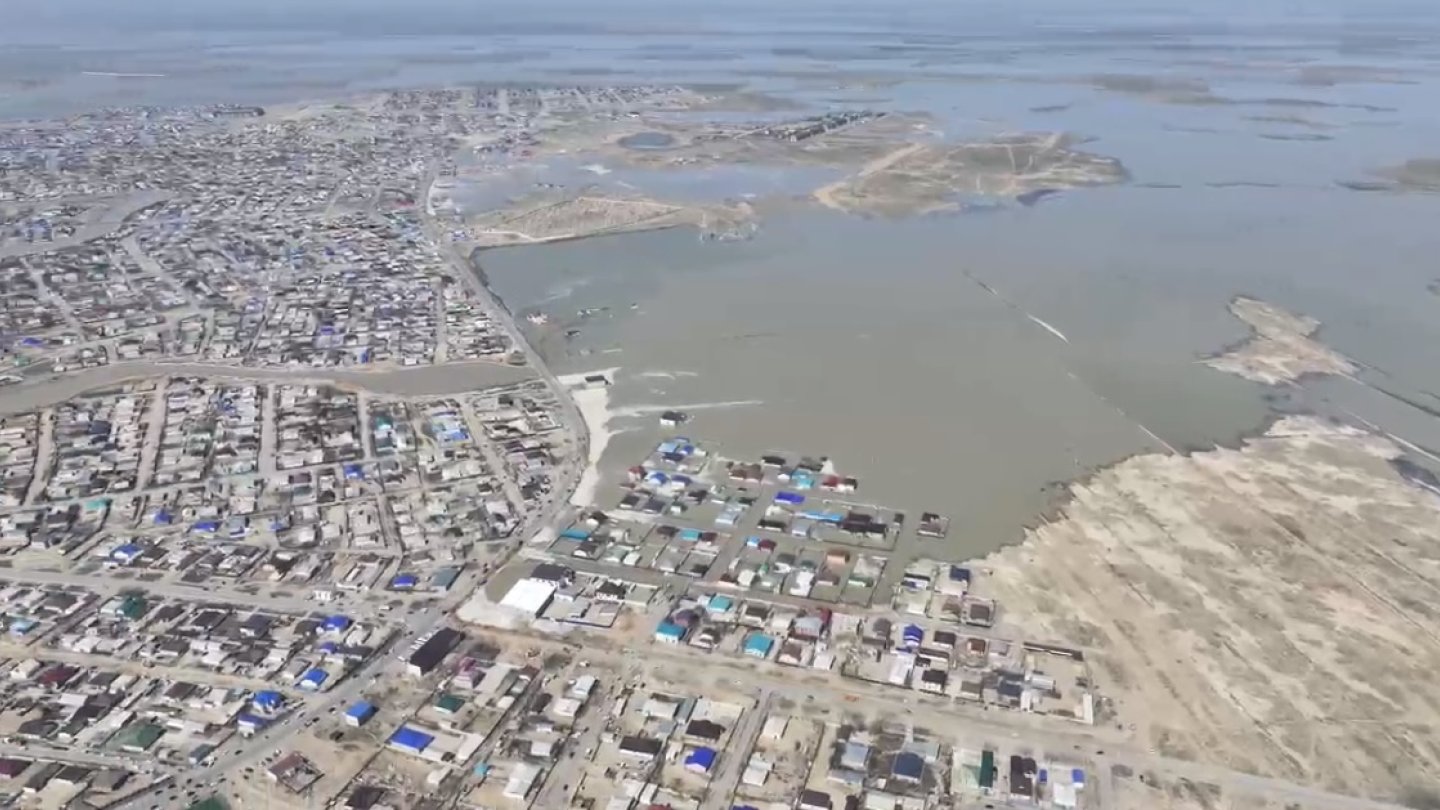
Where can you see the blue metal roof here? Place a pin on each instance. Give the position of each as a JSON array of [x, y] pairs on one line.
[[704, 757], [315, 677], [361, 710], [268, 699], [406, 737], [337, 622], [908, 765], [758, 643]]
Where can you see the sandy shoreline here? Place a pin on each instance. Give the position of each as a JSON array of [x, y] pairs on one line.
[[593, 402]]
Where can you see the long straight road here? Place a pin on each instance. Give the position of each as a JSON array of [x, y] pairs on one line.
[[834, 697], [555, 511]]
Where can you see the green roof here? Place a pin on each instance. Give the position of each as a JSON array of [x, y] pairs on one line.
[[212, 803], [449, 703], [137, 737], [133, 607]]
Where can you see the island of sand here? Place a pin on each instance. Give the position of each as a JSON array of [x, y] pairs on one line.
[[559, 215], [925, 178], [886, 164], [1282, 348]]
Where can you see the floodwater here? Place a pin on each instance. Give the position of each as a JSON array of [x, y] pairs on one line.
[[874, 342], [708, 184]]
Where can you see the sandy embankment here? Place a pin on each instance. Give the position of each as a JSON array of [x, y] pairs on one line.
[[1269, 609], [595, 408], [593, 402]]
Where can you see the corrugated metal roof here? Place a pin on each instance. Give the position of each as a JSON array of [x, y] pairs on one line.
[[413, 739]]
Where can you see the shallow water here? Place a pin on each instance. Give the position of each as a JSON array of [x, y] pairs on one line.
[[866, 342], [589, 172], [874, 342]]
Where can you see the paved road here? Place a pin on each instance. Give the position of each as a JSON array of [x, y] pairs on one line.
[[68, 755], [108, 585]]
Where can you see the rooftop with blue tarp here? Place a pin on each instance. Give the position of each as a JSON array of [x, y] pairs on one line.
[[337, 623], [404, 581]]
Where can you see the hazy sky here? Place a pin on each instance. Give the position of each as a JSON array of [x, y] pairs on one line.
[[420, 15]]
